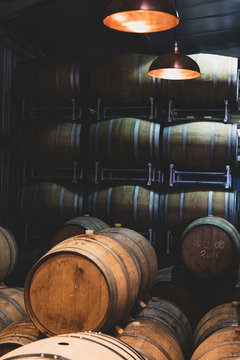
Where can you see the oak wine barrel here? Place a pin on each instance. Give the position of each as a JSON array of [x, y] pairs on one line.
[[49, 203], [78, 226], [8, 253], [18, 334], [152, 340], [12, 306], [200, 145], [87, 282], [172, 316], [220, 317], [210, 247], [90, 345], [179, 208], [219, 81], [124, 142], [47, 79], [133, 206], [222, 344], [50, 142], [124, 80], [141, 250]]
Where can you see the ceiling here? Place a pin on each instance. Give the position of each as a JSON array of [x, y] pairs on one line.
[[74, 27]]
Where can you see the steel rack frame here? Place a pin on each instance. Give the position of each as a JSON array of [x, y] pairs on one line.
[[200, 177], [175, 114], [75, 173], [72, 112], [150, 112], [149, 175]]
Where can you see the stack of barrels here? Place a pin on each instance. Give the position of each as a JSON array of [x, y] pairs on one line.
[[129, 143], [15, 328], [87, 282], [93, 281], [160, 331], [118, 142], [12, 306]]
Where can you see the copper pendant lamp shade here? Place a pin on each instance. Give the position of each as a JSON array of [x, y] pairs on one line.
[[174, 66], [141, 16]]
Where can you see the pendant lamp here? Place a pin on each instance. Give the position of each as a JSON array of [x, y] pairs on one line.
[[174, 66], [141, 16]]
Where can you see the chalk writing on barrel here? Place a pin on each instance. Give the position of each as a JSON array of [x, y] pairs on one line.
[[209, 254]]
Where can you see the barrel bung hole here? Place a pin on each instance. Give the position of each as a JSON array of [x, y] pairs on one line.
[[63, 343]]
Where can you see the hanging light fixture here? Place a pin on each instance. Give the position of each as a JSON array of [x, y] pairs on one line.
[[141, 16], [174, 66]]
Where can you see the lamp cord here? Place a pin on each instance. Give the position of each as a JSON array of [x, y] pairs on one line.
[[175, 31]]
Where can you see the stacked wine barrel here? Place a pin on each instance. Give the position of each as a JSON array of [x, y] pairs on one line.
[[89, 344], [91, 281], [12, 306], [160, 316], [8, 253], [18, 334], [217, 333], [52, 80]]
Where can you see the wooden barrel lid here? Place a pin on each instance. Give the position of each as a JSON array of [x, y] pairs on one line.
[[210, 247], [84, 283]]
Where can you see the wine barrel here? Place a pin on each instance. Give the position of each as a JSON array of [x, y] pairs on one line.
[[172, 316], [124, 142], [142, 252], [171, 284], [12, 306], [179, 209], [18, 334], [218, 81], [78, 226], [210, 247], [50, 142], [49, 203], [220, 317], [47, 79], [222, 344], [90, 345], [200, 145], [124, 80], [87, 282], [152, 340], [134, 206], [8, 253]]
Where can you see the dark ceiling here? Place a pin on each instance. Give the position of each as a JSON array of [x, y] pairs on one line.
[[75, 27]]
